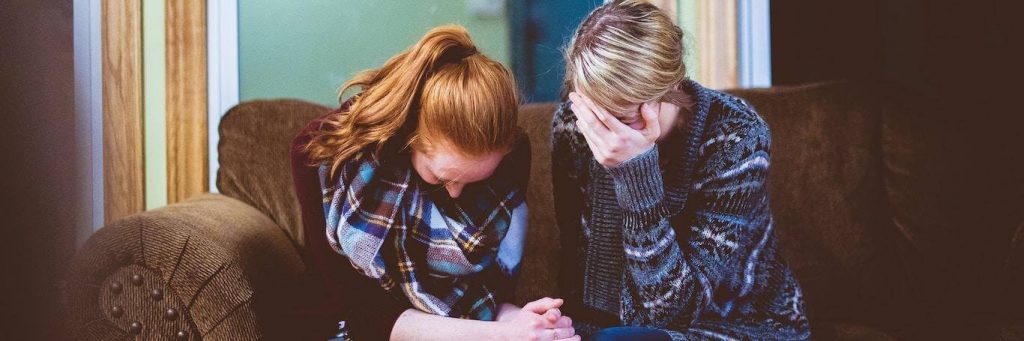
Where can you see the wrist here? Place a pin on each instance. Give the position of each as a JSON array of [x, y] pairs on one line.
[[504, 330], [506, 312], [638, 183]]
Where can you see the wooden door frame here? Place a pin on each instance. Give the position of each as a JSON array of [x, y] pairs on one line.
[[186, 99], [122, 104], [123, 175]]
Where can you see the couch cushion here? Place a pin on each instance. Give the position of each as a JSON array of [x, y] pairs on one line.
[[255, 165], [828, 198], [955, 183], [844, 331], [974, 329]]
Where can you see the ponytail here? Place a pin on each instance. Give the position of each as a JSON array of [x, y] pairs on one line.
[[390, 102]]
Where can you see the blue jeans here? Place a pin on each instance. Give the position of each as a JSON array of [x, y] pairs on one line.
[[630, 333]]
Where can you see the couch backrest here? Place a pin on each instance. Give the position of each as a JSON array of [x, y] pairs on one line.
[[255, 161]]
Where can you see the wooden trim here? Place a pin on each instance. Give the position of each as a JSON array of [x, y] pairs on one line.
[[187, 166], [123, 188], [717, 43]]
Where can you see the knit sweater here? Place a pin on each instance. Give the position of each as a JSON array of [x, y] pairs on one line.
[[685, 244]]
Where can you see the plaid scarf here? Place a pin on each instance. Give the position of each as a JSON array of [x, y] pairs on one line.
[[394, 227]]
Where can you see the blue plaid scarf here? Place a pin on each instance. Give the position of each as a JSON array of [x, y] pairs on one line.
[[414, 239]]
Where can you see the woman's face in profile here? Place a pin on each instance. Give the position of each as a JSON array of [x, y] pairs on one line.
[[443, 165]]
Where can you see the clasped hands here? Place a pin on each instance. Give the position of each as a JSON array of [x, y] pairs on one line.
[[540, 320]]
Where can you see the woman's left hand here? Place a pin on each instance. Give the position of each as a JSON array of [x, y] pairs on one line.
[[611, 141]]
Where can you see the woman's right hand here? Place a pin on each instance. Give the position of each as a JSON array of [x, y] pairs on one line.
[[611, 141], [540, 320]]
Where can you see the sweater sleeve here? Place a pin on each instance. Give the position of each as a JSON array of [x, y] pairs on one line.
[[568, 197], [669, 280]]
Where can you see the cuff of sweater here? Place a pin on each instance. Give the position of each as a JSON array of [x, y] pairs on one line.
[[638, 184]]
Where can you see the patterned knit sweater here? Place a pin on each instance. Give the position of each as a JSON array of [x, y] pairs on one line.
[[678, 238]]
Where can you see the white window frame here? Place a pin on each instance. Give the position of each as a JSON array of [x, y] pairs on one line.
[[88, 60], [755, 43], [222, 72]]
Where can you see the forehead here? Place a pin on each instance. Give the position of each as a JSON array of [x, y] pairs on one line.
[[618, 108], [456, 166], [625, 109]]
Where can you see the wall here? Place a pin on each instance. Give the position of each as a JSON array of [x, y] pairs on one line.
[[308, 49], [40, 179], [154, 87]]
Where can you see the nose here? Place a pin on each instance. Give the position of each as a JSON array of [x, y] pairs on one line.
[[454, 189]]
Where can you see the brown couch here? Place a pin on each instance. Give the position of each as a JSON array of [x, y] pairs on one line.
[[853, 183]]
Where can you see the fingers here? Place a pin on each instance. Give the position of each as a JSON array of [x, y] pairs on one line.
[[563, 322], [650, 112], [589, 113], [562, 333], [595, 144], [573, 338], [610, 122], [552, 316], [541, 306], [594, 139], [600, 113], [586, 123]]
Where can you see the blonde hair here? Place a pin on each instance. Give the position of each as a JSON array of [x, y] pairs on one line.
[[626, 52], [439, 90]]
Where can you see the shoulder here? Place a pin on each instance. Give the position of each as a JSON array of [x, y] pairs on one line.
[[733, 122], [563, 124], [569, 149], [736, 140], [565, 135]]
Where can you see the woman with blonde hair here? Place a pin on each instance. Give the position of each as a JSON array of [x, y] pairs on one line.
[[412, 200], [661, 194]]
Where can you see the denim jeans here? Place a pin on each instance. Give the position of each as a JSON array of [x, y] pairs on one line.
[[630, 333]]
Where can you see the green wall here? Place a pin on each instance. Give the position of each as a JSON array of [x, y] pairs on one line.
[[686, 18], [154, 89], [307, 49]]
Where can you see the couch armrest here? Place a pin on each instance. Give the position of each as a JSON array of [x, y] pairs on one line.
[[186, 271]]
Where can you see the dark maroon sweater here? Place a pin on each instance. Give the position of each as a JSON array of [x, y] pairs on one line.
[[369, 311]]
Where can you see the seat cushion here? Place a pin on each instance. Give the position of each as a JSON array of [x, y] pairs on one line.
[[847, 331], [969, 328]]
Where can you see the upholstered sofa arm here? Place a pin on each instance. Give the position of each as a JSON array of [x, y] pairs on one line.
[[202, 269]]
